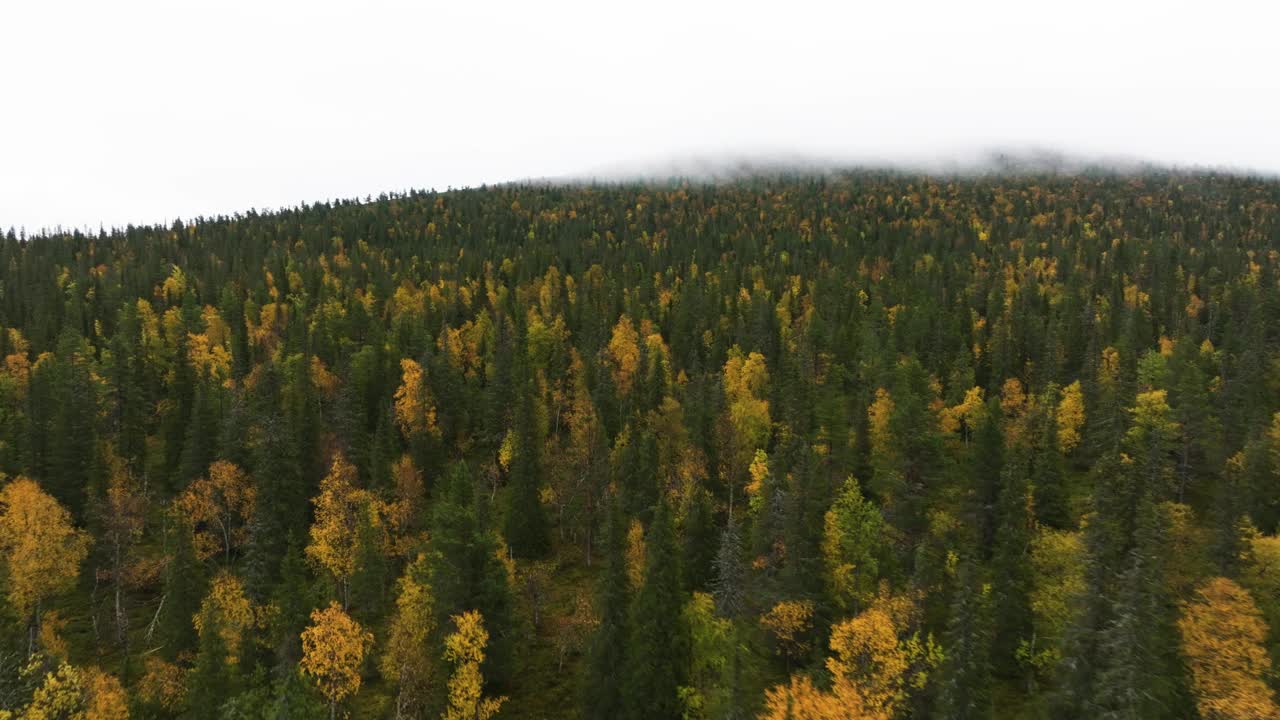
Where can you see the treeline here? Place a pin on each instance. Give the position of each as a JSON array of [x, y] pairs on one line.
[[863, 446]]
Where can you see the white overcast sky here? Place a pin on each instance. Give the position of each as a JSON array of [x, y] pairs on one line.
[[131, 111]]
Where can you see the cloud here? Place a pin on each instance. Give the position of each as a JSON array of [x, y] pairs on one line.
[[146, 111]]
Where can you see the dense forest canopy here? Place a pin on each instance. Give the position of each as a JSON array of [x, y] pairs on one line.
[[866, 445]]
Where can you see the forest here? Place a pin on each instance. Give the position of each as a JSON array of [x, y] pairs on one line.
[[865, 445]]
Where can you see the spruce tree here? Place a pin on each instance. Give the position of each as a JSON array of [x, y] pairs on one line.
[[657, 653], [606, 657], [1141, 673], [1010, 564], [697, 540], [184, 588], [213, 680], [466, 573], [965, 685], [729, 588], [526, 529], [988, 467]]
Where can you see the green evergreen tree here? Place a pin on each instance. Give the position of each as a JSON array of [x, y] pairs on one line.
[[607, 656], [697, 540], [729, 588], [657, 652], [1010, 563], [184, 582], [466, 573], [527, 531], [965, 684]]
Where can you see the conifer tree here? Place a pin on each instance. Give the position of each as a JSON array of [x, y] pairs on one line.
[[526, 530], [607, 656], [467, 572], [1011, 563], [184, 588], [965, 682], [657, 652]]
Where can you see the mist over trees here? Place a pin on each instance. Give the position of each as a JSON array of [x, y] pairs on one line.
[[859, 445]]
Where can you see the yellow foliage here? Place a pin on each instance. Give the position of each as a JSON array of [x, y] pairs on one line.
[[51, 640], [163, 684], [269, 327], [415, 410], [1195, 306], [1223, 638], [42, 550], [801, 700], [746, 379], [219, 507], [1013, 399], [326, 382], [966, 413], [227, 611], [623, 353], [17, 364], [1109, 368], [507, 450], [465, 649], [339, 509], [789, 622], [174, 286], [636, 551], [873, 652], [759, 472], [1070, 417], [867, 650], [410, 494], [1152, 418], [408, 300], [105, 697], [69, 693], [209, 357], [1134, 297], [871, 669], [333, 649], [1058, 559], [405, 663], [880, 413], [1262, 572]]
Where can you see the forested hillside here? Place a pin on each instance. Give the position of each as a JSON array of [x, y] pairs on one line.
[[861, 446]]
